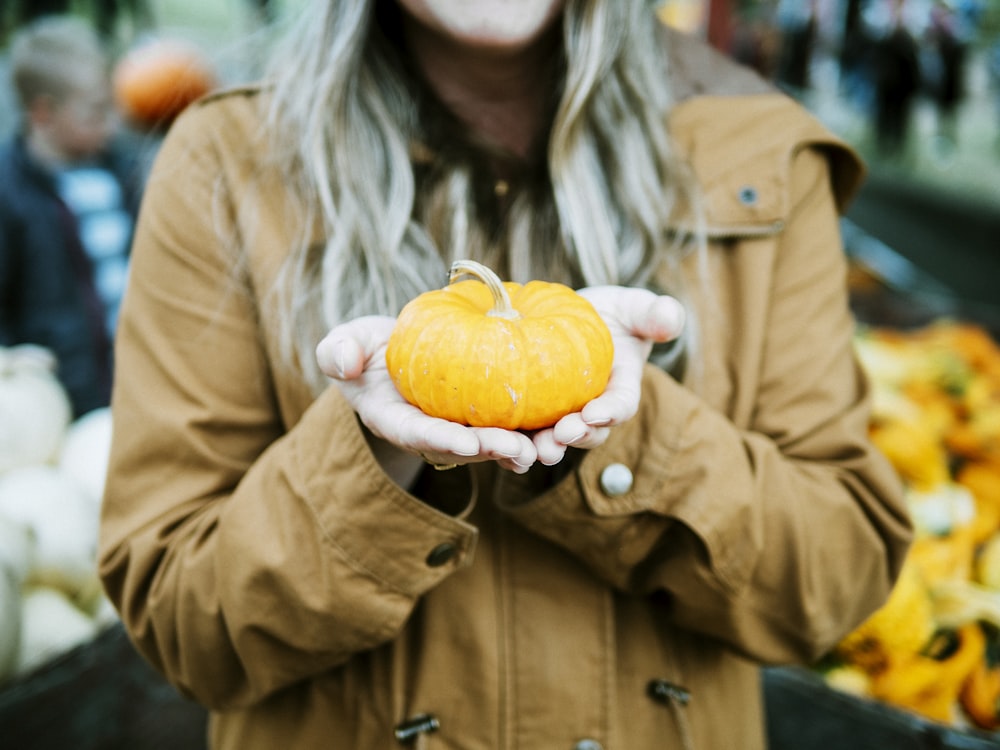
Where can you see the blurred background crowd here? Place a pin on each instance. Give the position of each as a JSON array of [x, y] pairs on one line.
[[913, 81], [914, 85]]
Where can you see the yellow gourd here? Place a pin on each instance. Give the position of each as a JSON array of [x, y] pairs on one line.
[[486, 353], [983, 482], [987, 565], [930, 685], [915, 451], [901, 627]]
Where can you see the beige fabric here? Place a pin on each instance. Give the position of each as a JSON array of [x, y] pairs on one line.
[[264, 562]]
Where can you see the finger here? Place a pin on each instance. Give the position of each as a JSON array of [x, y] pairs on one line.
[[618, 403], [511, 465], [340, 358], [653, 317], [611, 407], [570, 429], [550, 451], [347, 348], [639, 312], [594, 438], [409, 428], [506, 444], [431, 434], [574, 432]]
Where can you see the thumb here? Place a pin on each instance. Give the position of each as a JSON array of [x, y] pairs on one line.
[[340, 357], [346, 350], [654, 317]]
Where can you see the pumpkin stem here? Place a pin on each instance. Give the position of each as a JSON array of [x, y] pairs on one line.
[[502, 306]]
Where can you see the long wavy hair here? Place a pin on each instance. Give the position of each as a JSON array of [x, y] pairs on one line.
[[391, 190]]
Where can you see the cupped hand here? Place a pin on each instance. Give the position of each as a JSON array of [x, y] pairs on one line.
[[638, 318], [353, 355]]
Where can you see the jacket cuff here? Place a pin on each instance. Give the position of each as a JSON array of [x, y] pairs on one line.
[[380, 529], [667, 449], [610, 528]]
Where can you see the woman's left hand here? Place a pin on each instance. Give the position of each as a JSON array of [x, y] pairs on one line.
[[638, 318]]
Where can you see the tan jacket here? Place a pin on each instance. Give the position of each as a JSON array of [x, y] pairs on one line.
[[266, 564]]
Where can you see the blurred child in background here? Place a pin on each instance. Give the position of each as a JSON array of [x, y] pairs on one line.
[[67, 206]]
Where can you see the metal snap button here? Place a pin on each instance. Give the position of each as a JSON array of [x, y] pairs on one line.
[[616, 480], [665, 691], [441, 554], [588, 745], [407, 731], [748, 195]]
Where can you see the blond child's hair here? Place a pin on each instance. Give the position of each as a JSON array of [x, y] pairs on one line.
[[47, 54]]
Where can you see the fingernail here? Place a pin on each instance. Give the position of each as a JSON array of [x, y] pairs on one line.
[[576, 438], [333, 358], [327, 359], [340, 357]]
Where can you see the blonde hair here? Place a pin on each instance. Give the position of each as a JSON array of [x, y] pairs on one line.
[[600, 215], [47, 54]]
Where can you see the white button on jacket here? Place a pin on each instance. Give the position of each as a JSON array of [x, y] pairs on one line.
[[616, 479]]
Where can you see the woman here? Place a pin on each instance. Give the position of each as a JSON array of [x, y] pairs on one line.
[[275, 535]]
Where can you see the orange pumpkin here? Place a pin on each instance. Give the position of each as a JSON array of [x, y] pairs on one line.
[[155, 81], [486, 353]]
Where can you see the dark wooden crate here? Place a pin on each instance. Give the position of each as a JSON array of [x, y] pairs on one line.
[[103, 696], [804, 713], [100, 696]]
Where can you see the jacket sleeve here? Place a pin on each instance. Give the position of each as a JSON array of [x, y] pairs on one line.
[[777, 535], [244, 554]]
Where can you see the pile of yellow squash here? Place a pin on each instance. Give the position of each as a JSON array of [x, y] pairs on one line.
[[934, 647]]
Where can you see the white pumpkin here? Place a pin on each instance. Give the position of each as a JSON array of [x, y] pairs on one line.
[[34, 407], [16, 548], [50, 625], [86, 449], [64, 522], [103, 611]]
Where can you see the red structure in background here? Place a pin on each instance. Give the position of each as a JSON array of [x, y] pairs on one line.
[[719, 27]]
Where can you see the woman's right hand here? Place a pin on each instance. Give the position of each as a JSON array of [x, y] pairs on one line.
[[637, 318], [353, 355]]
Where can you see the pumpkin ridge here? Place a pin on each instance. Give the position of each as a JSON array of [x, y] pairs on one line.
[[469, 404], [594, 374], [412, 352], [470, 294], [563, 394], [441, 400], [516, 389]]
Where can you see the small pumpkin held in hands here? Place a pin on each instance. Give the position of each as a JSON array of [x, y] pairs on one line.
[[488, 353]]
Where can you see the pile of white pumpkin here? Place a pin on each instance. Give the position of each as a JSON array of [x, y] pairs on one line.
[[52, 473]]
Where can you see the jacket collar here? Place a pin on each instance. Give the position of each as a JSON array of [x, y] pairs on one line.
[[741, 149]]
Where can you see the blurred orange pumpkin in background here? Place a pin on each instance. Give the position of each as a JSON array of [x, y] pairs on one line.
[[156, 80]]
